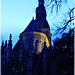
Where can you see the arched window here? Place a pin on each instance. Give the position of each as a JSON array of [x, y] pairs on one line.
[[36, 44], [42, 45]]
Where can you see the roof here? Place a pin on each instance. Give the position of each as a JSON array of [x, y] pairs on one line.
[[36, 25]]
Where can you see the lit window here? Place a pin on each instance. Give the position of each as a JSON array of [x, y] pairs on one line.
[[22, 69]]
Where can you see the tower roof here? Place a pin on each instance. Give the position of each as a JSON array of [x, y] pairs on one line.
[[40, 22], [36, 25]]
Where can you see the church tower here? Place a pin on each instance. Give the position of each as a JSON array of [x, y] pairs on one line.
[[38, 31], [40, 11]]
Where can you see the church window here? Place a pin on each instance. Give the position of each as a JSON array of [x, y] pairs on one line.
[[36, 44], [13, 68], [21, 69], [42, 45]]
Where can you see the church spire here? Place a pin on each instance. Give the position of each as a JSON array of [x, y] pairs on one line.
[[41, 3], [40, 10]]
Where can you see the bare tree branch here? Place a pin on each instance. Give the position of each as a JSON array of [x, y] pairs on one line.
[[71, 10], [55, 3], [65, 22]]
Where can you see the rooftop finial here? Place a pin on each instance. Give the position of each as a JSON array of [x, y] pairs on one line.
[[10, 36], [6, 43], [2, 43], [41, 2], [33, 18]]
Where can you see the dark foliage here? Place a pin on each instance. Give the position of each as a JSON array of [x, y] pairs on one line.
[[64, 48]]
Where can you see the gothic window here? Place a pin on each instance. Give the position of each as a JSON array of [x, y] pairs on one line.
[[36, 44], [42, 45]]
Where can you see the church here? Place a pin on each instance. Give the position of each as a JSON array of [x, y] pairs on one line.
[[32, 54], [38, 31]]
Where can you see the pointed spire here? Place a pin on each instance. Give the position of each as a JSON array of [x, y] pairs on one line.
[[6, 43], [2, 43], [10, 42], [10, 36]]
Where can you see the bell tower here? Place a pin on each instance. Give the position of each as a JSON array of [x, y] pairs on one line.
[[38, 31], [40, 10], [41, 3]]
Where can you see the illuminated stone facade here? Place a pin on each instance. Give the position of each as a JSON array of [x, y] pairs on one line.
[[38, 40]]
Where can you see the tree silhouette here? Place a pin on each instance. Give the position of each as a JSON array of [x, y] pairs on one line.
[[65, 49], [55, 5]]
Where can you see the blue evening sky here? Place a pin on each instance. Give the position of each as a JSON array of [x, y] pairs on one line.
[[17, 14]]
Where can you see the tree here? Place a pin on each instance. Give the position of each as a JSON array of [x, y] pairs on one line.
[[65, 48], [56, 5], [68, 22]]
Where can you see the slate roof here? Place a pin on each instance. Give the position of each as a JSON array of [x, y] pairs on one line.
[[36, 25]]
